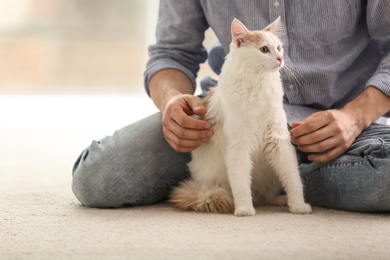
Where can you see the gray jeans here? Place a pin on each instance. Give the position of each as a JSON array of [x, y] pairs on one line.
[[136, 166]]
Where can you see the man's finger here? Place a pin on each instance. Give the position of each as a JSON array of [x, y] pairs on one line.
[[196, 105], [183, 120]]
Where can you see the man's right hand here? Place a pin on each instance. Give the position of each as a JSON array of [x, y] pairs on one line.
[[172, 92], [182, 131]]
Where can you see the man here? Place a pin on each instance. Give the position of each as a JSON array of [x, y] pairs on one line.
[[340, 54]]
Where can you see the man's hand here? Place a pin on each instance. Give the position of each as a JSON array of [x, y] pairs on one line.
[[171, 91], [183, 132], [332, 132], [329, 133]]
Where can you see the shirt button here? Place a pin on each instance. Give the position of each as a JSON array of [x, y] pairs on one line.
[[291, 86], [277, 4]]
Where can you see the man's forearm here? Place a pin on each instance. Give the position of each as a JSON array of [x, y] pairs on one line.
[[368, 106], [168, 83]]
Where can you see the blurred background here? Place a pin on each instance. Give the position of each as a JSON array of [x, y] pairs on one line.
[[75, 45], [76, 64]]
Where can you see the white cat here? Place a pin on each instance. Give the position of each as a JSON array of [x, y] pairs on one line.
[[250, 152]]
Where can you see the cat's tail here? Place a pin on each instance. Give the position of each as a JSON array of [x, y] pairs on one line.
[[193, 196]]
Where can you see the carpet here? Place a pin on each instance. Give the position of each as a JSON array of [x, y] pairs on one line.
[[42, 135]]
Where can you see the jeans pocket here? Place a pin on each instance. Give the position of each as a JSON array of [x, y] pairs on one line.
[[372, 146], [373, 141]]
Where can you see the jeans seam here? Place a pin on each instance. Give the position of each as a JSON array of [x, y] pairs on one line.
[[334, 165], [383, 147]]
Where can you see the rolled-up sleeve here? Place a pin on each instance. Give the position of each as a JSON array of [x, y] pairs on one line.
[[179, 39], [378, 22]]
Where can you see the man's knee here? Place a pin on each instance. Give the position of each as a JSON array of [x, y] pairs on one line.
[[93, 179]]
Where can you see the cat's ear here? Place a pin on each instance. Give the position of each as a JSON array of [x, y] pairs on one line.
[[273, 27], [239, 32]]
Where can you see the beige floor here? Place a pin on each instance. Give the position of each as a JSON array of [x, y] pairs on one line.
[[41, 136]]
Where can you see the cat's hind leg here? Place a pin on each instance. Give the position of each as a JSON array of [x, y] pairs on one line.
[[193, 196], [278, 200]]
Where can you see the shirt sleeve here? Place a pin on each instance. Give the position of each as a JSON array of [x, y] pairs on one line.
[[378, 22], [179, 39]]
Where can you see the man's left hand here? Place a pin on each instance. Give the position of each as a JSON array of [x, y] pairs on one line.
[[325, 135]]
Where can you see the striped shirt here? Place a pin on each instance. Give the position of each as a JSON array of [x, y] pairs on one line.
[[337, 48]]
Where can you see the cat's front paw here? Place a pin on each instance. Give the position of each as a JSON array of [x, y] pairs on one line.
[[303, 208], [244, 211]]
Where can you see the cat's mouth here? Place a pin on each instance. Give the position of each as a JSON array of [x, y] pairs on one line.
[[278, 66]]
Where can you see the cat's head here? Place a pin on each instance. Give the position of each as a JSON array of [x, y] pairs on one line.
[[263, 47]]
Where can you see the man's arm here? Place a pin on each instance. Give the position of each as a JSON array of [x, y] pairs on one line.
[[172, 92], [334, 131], [170, 75]]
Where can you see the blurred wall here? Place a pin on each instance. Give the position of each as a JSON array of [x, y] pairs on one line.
[[76, 45]]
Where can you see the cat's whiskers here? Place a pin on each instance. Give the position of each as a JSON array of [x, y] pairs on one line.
[[259, 66], [292, 74]]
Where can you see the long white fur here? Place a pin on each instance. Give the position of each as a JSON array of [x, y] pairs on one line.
[[250, 152]]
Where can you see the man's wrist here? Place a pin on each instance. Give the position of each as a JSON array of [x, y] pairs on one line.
[[368, 107], [166, 84]]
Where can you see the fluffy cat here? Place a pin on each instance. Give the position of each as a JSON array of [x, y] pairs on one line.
[[250, 152]]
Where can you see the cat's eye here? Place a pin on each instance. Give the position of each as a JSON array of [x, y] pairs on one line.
[[264, 49], [279, 48]]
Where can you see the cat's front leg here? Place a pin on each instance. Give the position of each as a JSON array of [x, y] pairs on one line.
[[239, 167], [283, 159], [245, 211]]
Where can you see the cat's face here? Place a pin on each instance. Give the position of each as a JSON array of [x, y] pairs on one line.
[[263, 47]]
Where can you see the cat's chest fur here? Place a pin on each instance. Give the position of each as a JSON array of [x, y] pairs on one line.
[[251, 103]]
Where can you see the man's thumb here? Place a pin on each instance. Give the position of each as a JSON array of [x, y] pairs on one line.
[[197, 106]]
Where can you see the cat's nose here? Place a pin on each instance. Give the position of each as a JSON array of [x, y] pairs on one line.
[[280, 59]]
